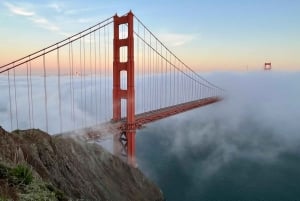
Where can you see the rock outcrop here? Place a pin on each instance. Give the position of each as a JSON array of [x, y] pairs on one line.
[[78, 169]]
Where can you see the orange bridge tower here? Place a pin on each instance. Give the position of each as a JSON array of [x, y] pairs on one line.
[[268, 66], [125, 142]]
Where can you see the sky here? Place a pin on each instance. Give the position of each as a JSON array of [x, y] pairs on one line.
[[215, 35]]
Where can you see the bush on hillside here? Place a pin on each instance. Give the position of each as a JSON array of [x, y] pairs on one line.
[[21, 174]]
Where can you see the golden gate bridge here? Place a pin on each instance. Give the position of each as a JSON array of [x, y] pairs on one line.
[[111, 78]]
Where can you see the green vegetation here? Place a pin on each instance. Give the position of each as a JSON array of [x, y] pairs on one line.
[[37, 190], [21, 175], [18, 183], [3, 171]]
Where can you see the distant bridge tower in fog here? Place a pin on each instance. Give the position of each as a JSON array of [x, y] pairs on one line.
[[268, 66]]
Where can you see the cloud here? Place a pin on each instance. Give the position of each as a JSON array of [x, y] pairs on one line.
[[44, 23], [176, 39], [82, 112], [65, 34], [18, 10], [257, 122], [83, 10], [58, 7], [85, 20], [34, 17]]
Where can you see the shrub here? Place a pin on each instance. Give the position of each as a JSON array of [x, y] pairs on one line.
[[3, 172], [60, 196], [37, 191], [2, 199], [21, 175]]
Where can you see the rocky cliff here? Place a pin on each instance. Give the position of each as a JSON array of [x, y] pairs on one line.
[[69, 169]]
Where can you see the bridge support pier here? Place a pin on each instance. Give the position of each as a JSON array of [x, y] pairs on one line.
[[127, 137]]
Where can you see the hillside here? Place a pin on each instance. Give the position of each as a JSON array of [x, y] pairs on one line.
[[67, 169]]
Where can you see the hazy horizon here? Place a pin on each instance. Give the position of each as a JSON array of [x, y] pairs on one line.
[[206, 35]]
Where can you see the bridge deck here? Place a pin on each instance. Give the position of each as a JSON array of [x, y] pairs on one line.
[[148, 117], [107, 129]]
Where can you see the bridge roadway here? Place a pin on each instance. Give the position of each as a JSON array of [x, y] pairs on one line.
[[108, 129]]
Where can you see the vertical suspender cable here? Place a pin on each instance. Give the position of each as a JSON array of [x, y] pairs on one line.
[[153, 78], [105, 73], [174, 87], [95, 77], [148, 87], [91, 76], [28, 95], [10, 101], [59, 91], [193, 84], [122, 58], [100, 78], [84, 79], [174, 81], [45, 92], [81, 79], [31, 97], [137, 56], [166, 78], [161, 78], [108, 62], [156, 78], [150, 75], [170, 81], [16, 103], [70, 81], [144, 73]]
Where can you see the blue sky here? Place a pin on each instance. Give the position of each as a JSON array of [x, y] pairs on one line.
[[209, 35]]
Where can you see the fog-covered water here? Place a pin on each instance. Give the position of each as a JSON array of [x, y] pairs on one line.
[[246, 147]]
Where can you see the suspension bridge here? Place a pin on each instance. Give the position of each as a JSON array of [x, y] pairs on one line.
[[111, 78]]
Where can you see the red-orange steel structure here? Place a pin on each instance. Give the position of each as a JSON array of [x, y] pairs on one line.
[[178, 78], [268, 66], [129, 93]]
